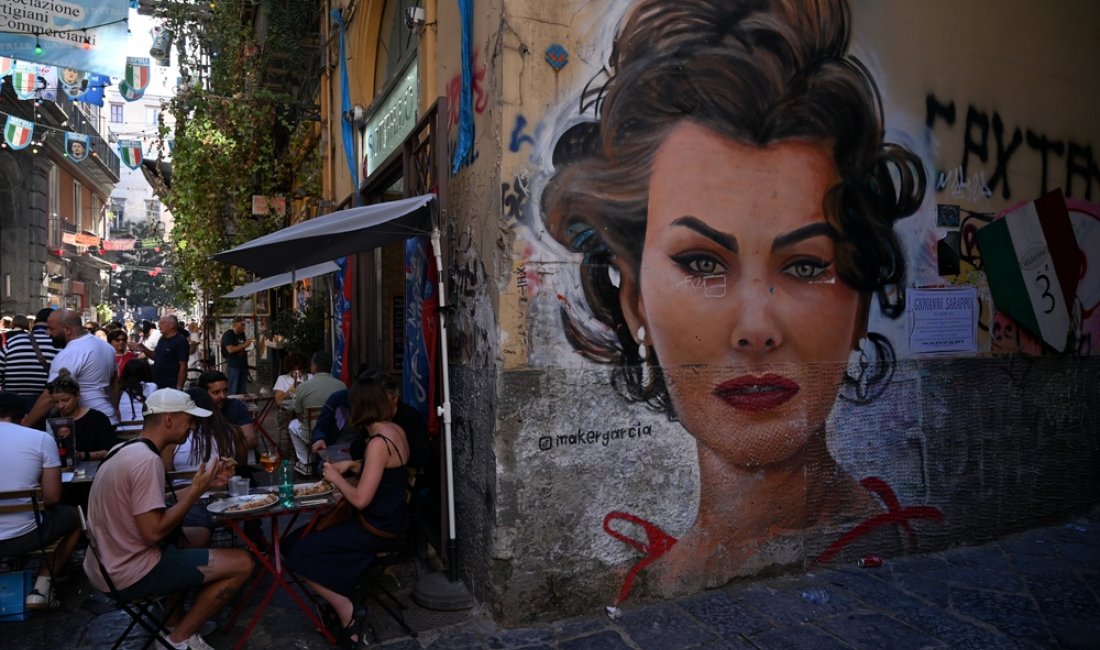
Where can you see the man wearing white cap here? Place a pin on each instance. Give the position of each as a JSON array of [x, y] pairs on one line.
[[131, 522]]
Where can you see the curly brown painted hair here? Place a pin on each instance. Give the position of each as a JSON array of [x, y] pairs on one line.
[[756, 72]]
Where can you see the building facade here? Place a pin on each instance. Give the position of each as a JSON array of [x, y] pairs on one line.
[[53, 209], [720, 303]]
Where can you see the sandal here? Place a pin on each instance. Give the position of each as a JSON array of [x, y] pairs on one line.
[[353, 628]]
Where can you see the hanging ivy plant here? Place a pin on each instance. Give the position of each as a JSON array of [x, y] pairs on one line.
[[236, 132]]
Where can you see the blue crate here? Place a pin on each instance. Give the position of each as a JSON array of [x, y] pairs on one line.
[[14, 587]]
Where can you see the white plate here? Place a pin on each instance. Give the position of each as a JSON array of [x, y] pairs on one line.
[[299, 489], [220, 507]]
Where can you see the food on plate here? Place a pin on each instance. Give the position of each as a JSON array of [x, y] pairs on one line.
[[254, 504], [309, 489]]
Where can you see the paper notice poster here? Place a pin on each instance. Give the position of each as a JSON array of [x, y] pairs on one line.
[[942, 320]]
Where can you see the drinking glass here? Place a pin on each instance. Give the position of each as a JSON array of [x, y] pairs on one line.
[[269, 461]]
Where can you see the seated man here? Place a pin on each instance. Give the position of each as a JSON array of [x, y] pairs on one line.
[[312, 394], [30, 461], [131, 522], [234, 410]]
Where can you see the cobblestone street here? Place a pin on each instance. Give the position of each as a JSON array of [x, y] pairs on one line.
[[1037, 589]]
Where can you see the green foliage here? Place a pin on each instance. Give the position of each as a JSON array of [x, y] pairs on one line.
[[234, 128], [304, 330], [137, 279]]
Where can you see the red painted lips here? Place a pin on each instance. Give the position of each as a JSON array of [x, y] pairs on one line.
[[748, 393]]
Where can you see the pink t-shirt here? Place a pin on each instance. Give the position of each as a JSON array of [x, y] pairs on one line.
[[130, 483]]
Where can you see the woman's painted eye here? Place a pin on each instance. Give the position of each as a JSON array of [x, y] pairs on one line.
[[807, 269], [699, 264]]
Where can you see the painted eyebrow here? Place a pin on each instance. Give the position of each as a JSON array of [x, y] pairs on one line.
[[803, 233], [729, 242]]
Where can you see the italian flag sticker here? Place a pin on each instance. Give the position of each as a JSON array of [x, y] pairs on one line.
[[1033, 265]]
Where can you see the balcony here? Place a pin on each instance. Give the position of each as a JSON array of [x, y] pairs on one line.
[[103, 165]]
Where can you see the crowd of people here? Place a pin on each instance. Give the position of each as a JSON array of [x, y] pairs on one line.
[[64, 389]]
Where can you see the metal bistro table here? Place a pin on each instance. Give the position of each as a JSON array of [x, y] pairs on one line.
[[84, 472], [271, 558]]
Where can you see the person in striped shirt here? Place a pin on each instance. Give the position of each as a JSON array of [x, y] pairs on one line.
[[23, 370]]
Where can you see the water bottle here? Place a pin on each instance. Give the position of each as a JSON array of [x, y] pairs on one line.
[[286, 485]]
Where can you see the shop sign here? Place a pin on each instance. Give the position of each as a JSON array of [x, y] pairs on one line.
[[83, 239], [392, 120], [262, 205]]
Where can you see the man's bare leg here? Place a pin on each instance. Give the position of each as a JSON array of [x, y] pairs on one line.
[[63, 552], [227, 571]]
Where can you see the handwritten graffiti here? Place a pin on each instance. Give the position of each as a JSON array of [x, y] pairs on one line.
[[712, 286], [657, 543], [955, 181], [592, 437], [454, 92], [1082, 169], [514, 197], [895, 514], [520, 136], [473, 318]]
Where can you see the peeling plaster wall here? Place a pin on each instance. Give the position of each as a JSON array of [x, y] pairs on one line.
[[564, 487]]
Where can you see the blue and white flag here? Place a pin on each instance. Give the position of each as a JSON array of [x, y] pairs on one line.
[[72, 82], [93, 94], [59, 30], [77, 146]]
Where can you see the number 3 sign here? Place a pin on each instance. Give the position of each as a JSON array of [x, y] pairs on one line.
[[1033, 265]]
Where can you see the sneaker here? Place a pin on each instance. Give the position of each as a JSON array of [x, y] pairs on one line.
[[207, 627], [303, 468], [38, 600], [196, 642]]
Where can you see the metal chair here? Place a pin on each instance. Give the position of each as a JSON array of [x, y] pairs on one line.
[[141, 612], [30, 500]]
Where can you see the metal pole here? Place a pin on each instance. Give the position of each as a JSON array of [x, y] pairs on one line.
[[444, 410]]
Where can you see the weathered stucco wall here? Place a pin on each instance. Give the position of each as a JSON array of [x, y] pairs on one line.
[[766, 457]]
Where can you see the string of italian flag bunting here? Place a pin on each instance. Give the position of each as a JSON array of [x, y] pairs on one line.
[[32, 81]]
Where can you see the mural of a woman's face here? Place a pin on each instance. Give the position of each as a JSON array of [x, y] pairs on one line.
[[738, 292]]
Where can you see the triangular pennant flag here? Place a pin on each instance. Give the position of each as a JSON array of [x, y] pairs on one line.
[[129, 151], [18, 132], [128, 93], [137, 72], [24, 79], [1032, 261], [76, 146]]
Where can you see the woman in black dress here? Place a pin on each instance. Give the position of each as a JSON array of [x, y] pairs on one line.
[[332, 561]]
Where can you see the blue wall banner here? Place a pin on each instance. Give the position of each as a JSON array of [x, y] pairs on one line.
[[82, 34], [418, 372]]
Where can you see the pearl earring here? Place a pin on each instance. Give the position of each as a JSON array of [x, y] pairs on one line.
[[643, 350]]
